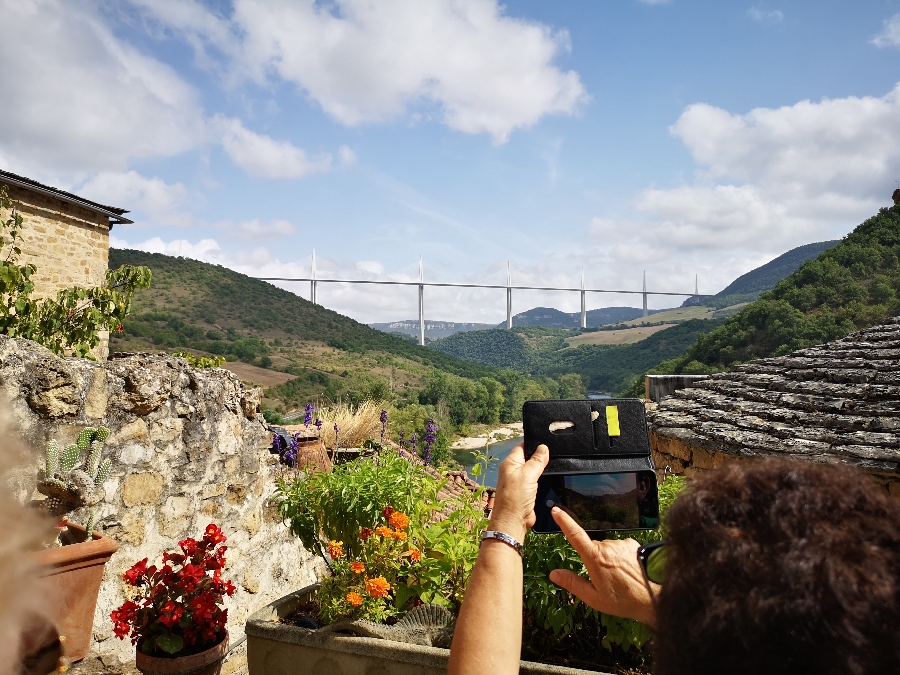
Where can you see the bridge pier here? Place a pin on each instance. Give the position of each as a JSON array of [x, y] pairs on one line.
[[583, 306], [421, 304], [645, 292], [312, 283], [508, 297]]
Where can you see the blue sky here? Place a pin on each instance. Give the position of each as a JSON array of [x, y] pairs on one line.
[[675, 137]]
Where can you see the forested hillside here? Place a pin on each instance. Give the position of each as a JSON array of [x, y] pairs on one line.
[[747, 287], [848, 287], [304, 352], [545, 352]]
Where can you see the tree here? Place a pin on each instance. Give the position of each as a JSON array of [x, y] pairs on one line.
[[71, 322]]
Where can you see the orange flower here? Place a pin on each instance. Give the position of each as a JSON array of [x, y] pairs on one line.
[[383, 531], [415, 555], [398, 520], [354, 599], [335, 549], [399, 535], [377, 587], [357, 567], [387, 511], [365, 533]]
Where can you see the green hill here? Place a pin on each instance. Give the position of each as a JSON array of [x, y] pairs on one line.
[[747, 287], [303, 352], [544, 352], [850, 286]]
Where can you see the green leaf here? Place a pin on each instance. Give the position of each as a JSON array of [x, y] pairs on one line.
[[169, 643]]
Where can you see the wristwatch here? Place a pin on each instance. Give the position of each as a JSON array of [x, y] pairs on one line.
[[502, 536]]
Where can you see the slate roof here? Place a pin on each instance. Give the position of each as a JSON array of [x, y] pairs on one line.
[[837, 402], [113, 212]]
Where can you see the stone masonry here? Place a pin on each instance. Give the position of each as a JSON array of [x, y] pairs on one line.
[[188, 448], [833, 403]]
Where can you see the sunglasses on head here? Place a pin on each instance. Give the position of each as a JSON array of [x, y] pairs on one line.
[[652, 558]]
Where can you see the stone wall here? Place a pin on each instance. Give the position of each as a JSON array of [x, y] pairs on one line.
[[188, 447]]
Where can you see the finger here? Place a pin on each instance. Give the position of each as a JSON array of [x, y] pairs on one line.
[[578, 586], [575, 534], [536, 464]]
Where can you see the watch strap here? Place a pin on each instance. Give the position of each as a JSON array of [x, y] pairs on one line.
[[505, 538]]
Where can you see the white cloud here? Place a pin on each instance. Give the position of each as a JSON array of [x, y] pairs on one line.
[[260, 155], [768, 180], [890, 35], [348, 157], [255, 230], [153, 198], [76, 99], [757, 13], [366, 61]]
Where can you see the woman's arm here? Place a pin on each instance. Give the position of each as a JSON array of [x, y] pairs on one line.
[[488, 635]]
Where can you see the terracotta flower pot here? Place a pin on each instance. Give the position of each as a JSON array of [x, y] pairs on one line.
[[71, 578], [204, 663]]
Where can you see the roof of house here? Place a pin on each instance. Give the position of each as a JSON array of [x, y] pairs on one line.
[[114, 213], [834, 403]]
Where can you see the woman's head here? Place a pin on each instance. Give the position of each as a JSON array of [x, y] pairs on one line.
[[781, 567]]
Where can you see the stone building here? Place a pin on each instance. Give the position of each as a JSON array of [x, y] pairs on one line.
[[833, 403], [65, 236]]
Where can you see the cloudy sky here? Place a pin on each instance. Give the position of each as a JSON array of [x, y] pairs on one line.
[[679, 137]]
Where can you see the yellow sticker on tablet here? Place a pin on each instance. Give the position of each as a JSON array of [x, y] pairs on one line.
[[612, 420]]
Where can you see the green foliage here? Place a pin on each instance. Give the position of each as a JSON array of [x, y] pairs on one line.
[[851, 286], [200, 361], [70, 322], [336, 505], [273, 417]]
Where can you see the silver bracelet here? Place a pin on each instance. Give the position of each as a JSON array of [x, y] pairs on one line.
[[502, 536]]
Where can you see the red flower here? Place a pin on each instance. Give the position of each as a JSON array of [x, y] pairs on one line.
[[387, 512], [136, 573], [187, 589], [213, 534], [189, 546], [365, 533], [170, 613]]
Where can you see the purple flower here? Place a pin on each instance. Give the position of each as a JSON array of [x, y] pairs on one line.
[[278, 444], [383, 417], [318, 424], [402, 436], [310, 409], [337, 431], [413, 440], [429, 438]]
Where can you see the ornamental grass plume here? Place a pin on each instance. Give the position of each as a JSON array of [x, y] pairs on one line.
[[356, 425]]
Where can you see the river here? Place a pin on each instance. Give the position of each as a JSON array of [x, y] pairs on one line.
[[500, 450]]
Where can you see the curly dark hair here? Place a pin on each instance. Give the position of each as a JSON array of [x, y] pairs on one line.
[[781, 567]]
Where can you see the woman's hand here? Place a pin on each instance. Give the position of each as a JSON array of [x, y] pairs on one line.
[[516, 490], [617, 584]]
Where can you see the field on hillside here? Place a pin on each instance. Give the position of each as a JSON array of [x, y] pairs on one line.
[[674, 316], [623, 336]]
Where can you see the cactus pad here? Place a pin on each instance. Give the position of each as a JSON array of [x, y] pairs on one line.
[[103, 473], [85, 438], [93, 463], [102, 434], [52, 458], [69, 458]]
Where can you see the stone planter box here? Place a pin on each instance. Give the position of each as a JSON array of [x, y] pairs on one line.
[[275, 648]]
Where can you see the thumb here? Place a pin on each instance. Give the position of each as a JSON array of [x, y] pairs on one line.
[[578, 586]]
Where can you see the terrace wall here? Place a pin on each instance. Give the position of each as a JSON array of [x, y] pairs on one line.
[[189, 448]]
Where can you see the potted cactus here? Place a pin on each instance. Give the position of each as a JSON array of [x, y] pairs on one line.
[[72, 568]]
